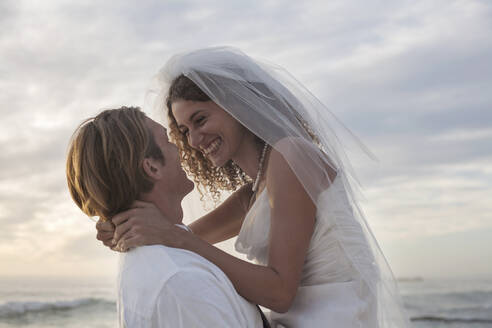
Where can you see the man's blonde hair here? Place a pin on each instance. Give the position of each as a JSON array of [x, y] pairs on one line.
[[104, 162]]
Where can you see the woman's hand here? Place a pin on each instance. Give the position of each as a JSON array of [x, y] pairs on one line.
[[144, 224], [105, 232]]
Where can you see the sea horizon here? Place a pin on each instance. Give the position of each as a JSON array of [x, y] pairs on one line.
[[90, 301]]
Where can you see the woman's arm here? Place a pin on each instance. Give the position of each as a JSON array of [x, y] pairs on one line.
[[225, 221]]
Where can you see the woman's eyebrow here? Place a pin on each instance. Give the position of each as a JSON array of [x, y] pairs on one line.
[[194, 114]]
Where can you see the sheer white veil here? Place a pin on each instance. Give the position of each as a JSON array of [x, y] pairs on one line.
[[277, 108]]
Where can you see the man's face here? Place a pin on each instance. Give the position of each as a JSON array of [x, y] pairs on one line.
[[175, 179]]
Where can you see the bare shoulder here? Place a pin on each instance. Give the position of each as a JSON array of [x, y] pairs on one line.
[[282, 183], [304, 156], [279, 173]]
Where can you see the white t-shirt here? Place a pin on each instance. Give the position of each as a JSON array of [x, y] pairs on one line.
[[161, 286]]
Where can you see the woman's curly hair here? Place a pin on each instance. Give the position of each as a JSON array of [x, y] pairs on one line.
[[229, 177], [207, 177]]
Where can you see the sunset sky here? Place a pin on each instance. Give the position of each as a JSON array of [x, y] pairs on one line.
[[412, 78]]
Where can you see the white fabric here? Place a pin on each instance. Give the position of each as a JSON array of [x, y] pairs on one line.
[[279, 110], [331, 292], [163, 287]]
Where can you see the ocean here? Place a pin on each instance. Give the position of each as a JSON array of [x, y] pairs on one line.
[[449, 303], [90, 302], [57, 302]]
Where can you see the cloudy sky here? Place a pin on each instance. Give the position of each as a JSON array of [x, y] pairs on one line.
[[412, 78]]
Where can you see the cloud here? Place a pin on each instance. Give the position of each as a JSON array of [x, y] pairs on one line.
[[412, 78]]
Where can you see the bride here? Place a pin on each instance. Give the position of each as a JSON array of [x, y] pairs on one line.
[[251, 128]]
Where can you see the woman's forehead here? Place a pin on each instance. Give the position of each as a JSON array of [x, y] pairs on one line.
[[185, 110]]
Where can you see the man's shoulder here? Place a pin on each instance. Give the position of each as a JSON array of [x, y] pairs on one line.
[[161, 260], [158, 278], [158, 264], [145, 271]]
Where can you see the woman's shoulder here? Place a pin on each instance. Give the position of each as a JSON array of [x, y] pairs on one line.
[[304, 158], [283, 182]]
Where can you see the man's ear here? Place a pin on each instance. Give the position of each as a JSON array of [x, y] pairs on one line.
[[153, 168]]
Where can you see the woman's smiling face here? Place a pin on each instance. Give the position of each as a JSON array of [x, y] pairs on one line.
[[209, 129]]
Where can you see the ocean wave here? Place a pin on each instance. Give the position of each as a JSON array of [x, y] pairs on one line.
[[450, 293], [451, 308], [451, 320], [15, 309]]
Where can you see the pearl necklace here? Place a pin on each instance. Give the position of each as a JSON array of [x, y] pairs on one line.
[[260, 167]]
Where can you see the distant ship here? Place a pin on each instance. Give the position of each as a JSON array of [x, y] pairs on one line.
[[410, 279]]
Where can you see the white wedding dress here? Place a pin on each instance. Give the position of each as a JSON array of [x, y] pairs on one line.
[[331, 291], [346, 280]]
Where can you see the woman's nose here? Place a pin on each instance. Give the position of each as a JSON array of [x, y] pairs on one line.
[[194, 139]]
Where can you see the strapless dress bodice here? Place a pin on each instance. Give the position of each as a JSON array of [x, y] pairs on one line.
[[325, 260]]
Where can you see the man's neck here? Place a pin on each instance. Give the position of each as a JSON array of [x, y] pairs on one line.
[[169, 205]]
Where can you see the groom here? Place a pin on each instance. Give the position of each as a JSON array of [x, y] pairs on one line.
[[114, 159]]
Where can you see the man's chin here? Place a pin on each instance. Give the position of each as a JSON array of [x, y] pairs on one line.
[[190, 186]]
